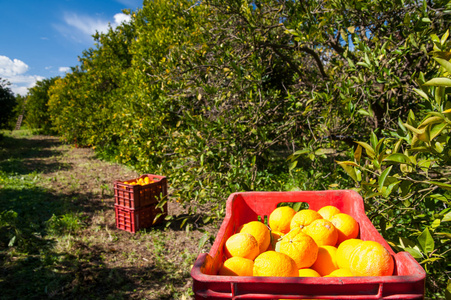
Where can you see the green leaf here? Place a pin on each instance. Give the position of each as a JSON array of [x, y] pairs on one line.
[[436, 130], [426, 241], [203, 240], [292, 165], [363, 112], [297, 206], [390, 188], [441, 81], [440, 184], [405, 242], [358, 153], [397, 158], [435, 224], [444, 37], [360, 63], [421, 93], [368, 148], [447, 217], [414, 252], [383, 176], [448, 290], [410, 118], [373, 140], [413, 129], [12, 241], [349, 169], [299, 152]]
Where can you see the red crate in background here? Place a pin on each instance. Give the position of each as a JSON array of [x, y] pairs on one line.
[[139, 196], [407, 281], [132, 220]]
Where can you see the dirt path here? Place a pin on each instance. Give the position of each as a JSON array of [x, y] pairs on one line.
[[102, 261]]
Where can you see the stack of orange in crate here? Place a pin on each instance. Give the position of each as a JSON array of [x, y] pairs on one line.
[[140, 202]]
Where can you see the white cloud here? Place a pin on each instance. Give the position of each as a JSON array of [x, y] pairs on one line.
[[121, 18], [81, 27], [13, 70], [64, 69], [10, 67], [85, 24]]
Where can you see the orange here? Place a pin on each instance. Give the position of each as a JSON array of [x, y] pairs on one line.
[[237, 266], [303, 218], [272, 263], [261, 233], [326, 262], [275, 237], [347, 227], [327, 212], [242, 245], [300, 247], [371, 259], [280, 219], [307, 272], [344, 251], [340, 273], [322, 231]]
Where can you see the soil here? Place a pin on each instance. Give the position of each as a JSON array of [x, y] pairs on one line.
[[154, 263]]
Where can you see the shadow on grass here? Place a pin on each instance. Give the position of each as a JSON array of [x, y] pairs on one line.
[[25, 155], [33, 269], [68, 276]]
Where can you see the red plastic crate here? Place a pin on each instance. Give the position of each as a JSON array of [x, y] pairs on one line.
[[132, 220], [138, 196], [406, 283]]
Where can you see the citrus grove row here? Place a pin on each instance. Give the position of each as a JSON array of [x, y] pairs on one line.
[[306, 243]]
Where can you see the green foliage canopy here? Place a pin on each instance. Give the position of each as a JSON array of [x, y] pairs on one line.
[[37, 115], [8, 103]]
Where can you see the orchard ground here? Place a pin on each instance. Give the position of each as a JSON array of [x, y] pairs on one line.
[[85, 256]]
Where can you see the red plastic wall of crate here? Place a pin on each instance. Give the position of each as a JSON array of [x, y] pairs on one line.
[[138, 196], [406, 283], [132, 220]]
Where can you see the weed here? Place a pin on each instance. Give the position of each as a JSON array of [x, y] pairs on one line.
[[65, 224]]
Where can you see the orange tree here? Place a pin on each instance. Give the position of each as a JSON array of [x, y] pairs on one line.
[[37, 115], [404, 176], [8, 102], [217, 93]]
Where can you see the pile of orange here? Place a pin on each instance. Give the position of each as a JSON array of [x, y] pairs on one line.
[[306, 243], [140, 181]]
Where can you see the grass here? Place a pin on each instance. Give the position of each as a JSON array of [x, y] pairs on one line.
[[57, 230]]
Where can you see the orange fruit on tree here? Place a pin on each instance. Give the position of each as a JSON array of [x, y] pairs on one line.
[[370, 258], [272, 263], [347, 227], [275, 237], [237, 266], [242, 245], [303, 218], [308, 272], [328, 211], [326, 262], [344, 251], [322, 231], [300, 247], [340, 273], [280, 218], [261, 233]]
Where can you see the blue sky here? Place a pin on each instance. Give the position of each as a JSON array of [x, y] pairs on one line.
[[44, 38]]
